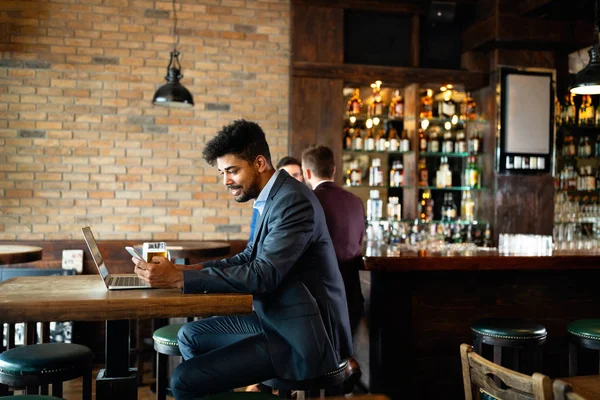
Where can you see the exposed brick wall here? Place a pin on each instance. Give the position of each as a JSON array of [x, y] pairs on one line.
[[81, 143]]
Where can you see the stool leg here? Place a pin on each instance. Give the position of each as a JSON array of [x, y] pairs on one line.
[[87, 385], [478, 346], [516, 366], [498, 360], [572, 359], [57, 389], [161, 376]]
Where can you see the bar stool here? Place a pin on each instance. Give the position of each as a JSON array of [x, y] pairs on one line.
[[512, 336], [165, 344], [331, 382], [582, 333], [50, 363]]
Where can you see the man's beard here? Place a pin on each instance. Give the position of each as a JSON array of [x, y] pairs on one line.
[[245, 195]]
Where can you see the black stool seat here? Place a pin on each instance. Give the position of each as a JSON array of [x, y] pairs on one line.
[[509, 329], [40, 364], [583, 333], [521, 341], [330, 380]]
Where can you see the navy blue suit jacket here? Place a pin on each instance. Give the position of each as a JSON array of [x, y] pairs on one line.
[[291, 270]]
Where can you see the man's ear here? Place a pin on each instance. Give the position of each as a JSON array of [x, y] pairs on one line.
[[334, 170], [308, 173], [261, 163]]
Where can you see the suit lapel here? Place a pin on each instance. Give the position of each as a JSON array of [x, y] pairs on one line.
[[261, 219]]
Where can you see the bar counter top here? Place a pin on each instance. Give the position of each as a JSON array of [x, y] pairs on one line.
[[482, 260]]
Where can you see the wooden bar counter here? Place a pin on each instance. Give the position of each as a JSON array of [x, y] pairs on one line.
[[420, 309]]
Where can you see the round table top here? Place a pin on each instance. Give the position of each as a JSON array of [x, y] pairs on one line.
[[15, 254], [198, 248]]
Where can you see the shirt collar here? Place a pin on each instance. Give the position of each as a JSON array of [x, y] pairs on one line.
[[324, 180], [261, 200]]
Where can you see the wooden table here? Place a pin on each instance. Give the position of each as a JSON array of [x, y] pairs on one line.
[[85, 298], [586, 386], [15, 254]]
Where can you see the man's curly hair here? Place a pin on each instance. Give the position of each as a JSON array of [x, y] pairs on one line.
[[244, 139]]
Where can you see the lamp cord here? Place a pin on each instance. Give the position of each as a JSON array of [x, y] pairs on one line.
[[176, 37]]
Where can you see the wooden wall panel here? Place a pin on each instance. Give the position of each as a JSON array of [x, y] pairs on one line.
[[317, 116], [523, 58], [524, 204], [317, 34]]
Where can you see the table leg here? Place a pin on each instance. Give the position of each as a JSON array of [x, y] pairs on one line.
[[117, 380]]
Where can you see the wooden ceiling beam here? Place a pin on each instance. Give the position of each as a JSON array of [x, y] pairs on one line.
[[400, 76]]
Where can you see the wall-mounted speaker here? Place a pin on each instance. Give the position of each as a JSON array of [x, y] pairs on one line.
[[441, 12]]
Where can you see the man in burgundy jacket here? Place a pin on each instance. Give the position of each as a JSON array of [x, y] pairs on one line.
[[345, 215]]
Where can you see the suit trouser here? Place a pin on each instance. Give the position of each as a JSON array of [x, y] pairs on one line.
[[221, 354]]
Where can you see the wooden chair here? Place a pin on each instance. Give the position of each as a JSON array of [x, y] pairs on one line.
[[563, 391], [479, 373]]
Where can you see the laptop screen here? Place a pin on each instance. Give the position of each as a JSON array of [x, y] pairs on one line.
[[98, 260]]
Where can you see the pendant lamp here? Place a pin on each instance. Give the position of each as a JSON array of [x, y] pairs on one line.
[[173, 94], [587, 81]]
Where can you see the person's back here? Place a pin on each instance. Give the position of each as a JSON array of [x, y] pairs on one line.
[[345, 216]]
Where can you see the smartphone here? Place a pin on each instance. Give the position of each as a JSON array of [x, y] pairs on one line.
[[134, 253]]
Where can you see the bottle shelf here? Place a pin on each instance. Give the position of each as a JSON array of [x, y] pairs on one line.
[[350, 151], [441, 121], [364, 116], [459, 188], [439, 154], [420, 222], [578, 158], [376, 187], [579, 126]]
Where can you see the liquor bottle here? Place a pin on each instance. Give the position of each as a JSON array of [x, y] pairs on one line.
[[585, 110], [422, 140], [374, 206], [472, 174], [375, 173], [448, 208], [448, 143], [443, 176], [447, 108], [474, 144], [557, 111], [355, 103], [397, 177], [426, 206], [433, 144], [587, 148], [393, 142], [597, 116], [404, 141], [396, 106], [355, 174], [381, 142], [571, 151], [460, 146], [591, 178], [357, 140], [597, 145], [348, 138], [427, 105], [394, 209], [487, 236], [468, 108], [376, 106], [467, 207], [570, 110], [423, 173], [369, 142]]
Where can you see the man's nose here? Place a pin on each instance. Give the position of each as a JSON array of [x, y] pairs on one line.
[[227, 180]]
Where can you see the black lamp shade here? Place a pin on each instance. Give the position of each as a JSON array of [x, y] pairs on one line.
[[587, 81], [173, 95]]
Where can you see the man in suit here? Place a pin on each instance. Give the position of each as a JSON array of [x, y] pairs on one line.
[[299, 328], [345, 216]]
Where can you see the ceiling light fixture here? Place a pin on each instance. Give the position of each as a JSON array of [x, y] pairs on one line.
[[587, 81], [173, 94]]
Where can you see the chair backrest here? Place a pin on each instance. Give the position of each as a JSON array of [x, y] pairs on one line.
[[479, 373], [563, 391]]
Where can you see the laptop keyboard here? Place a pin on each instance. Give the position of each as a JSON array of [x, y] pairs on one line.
[[128, 281]]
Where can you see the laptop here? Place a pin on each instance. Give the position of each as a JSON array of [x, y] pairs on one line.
[[112, 282]]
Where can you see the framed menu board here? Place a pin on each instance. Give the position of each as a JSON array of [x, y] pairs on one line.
[[526, 129]]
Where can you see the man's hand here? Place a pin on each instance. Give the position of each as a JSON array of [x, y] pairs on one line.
[[159, 273]]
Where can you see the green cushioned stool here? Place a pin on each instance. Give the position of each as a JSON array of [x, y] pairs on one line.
[[582, 333], [331, 383], [165, 344], [50, 363], [516, 338]]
